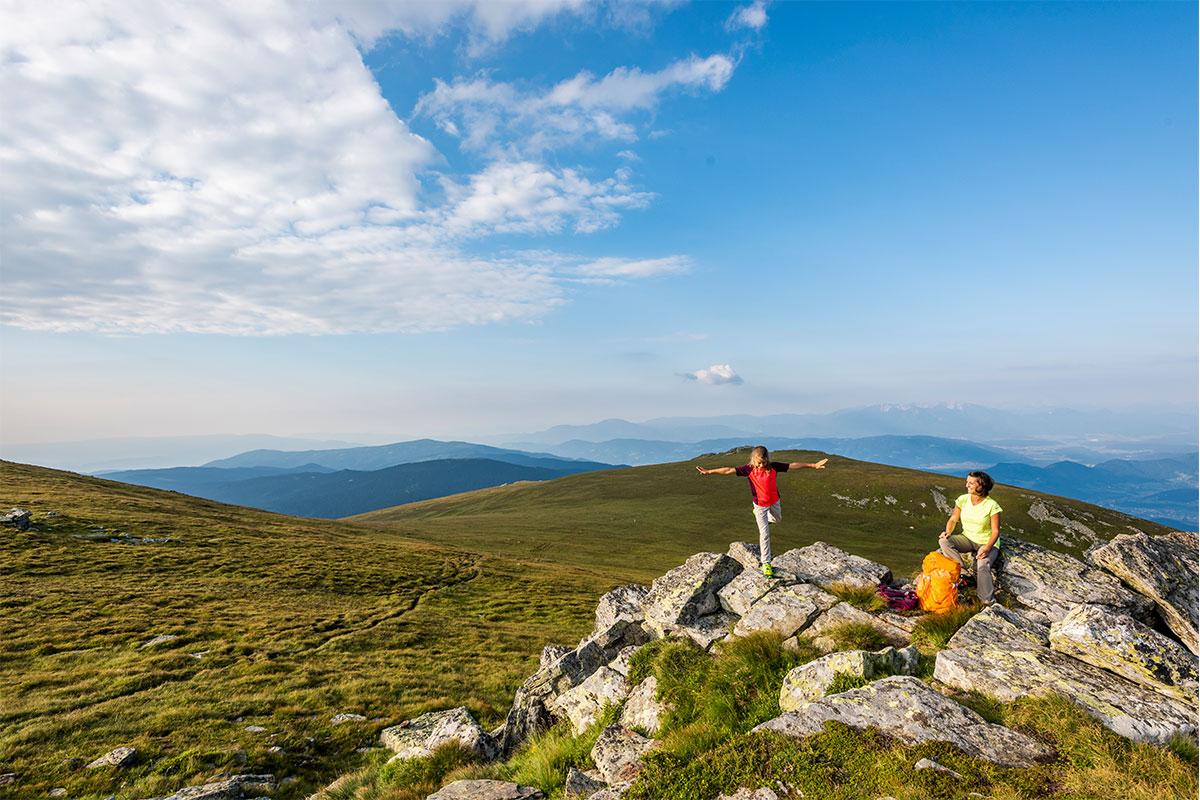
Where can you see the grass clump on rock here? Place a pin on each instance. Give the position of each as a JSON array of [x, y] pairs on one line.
[[932, 632]]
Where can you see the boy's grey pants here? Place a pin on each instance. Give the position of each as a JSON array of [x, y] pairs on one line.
[[764, 515], [985, 586]]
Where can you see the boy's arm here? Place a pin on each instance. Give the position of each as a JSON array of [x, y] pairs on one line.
[[717, 471], [798, 465]]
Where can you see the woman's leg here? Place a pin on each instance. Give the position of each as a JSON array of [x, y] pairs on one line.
[[985, 584], [951, 546]]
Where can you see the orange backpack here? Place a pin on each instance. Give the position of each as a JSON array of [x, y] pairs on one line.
[[937, 585]]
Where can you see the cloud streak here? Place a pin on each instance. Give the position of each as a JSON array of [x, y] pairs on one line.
[[716, 375], [232, 169]]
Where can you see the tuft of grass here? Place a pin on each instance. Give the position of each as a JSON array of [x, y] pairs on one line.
[[861, 597], [935, 630], [543, 761], [856, 636], [845, 681]]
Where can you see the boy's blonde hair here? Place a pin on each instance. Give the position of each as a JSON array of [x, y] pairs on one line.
[[760, 458]]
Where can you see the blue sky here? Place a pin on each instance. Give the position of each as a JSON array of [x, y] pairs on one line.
[[462, 218]]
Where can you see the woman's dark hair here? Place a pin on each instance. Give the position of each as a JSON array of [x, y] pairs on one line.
[[985, 481]]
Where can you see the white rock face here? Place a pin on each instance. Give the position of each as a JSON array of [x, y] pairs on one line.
[[642, 709], [785, 610], [120, 758], [618, 753], [583, 704], [689, 592], [911, 711], [623, 603], [1122, 645]]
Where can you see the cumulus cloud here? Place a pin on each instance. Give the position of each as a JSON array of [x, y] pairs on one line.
[[753, 16], [715, 375], [490, 116], [234, 168]]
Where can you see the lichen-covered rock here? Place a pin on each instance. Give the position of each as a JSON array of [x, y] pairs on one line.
[[613, 792], [580, 785], [623, 603], [689, 592], [750, 794], [843, 614], [642, 708], [485, 790], [529, 714], [420, 736], [19, 518], [624, 658], [1008, 672], [809, 682], [1050, 584], [552, 653], [582, 705], [618, 753], [119, 758], [746, 554], [231, 788], [827, 566], [1165, 569], [785, 610], [746, 589], [1121, 644], [1000, 626], [706, 630], [912, 712]]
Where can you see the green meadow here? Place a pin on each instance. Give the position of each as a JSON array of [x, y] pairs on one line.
[[282, 622]]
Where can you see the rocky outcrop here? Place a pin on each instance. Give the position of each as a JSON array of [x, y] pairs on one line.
[[745, 554], [1164, 569], [912, 712], [1011, 664], [233, 787], [1122, 645], [529, 713], [618, 753], [688, 592], [750, 794], [580, 784], [809, 682], [1050, 584], [827, 566], [741, 593], [785, 610], [486, 790], [1000, 626], [19, 518], [642, 708], [582, 705], [420, 736]]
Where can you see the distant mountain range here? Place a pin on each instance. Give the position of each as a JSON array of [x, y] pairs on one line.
[[315, 491]]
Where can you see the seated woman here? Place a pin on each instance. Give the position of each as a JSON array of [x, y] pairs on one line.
[[980, 517]]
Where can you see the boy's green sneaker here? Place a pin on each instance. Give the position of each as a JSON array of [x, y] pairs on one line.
[[766, 568]]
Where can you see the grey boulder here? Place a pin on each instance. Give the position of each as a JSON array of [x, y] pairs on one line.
[[809, 682], [785, 610], [688, 592], [623, 603], [826, 565], [847, 614], [420, 736], [618, 753], [642, 708], [485, 790], [912, 712], [1163, 568], [119, 758]]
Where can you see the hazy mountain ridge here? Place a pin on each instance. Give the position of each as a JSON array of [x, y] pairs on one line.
[[325, 493]]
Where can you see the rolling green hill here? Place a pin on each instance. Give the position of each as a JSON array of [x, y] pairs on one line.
[[282, 622], [638, 522]]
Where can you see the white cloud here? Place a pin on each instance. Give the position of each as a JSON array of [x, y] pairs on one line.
[[499, 117], [715, 375], [753, 16], [234, 168]]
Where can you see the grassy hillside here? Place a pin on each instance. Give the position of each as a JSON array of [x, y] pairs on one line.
[[638, 522], [282, 623]]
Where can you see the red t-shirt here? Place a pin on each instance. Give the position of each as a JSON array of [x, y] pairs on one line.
[[762, 482]]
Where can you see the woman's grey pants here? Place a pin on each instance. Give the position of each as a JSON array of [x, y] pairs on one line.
[[764, 516], [985, 586]]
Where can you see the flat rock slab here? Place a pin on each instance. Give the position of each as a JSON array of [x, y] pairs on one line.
[[1164, 568], [907, 709], [809, 682], [1122, 645], [485, 790], [740, 594], [746, 554], [826, 565], [642, 708], [689, 592], [120, 758], [997, 625], [420, 736], [1050, 584], [786, 610], [1007, 674], [618, 753]]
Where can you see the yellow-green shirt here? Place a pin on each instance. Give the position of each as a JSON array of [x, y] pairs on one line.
[[977, 519]]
